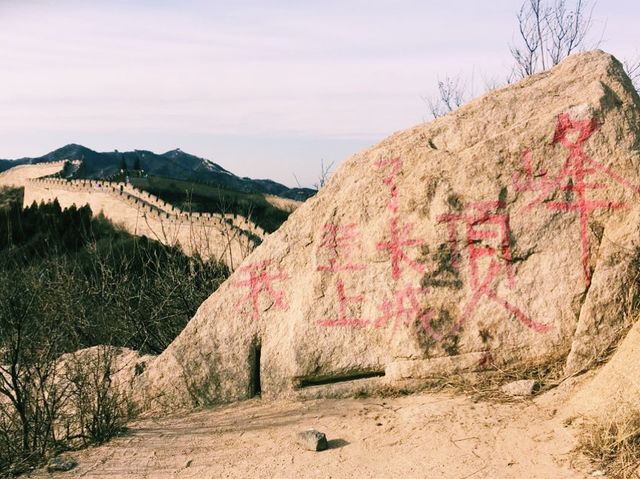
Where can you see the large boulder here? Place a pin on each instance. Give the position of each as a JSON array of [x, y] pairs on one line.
[[504, 233]]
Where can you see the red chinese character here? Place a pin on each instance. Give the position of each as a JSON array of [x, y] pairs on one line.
[[405, 309], [344, 316], [259, 282], [531, 181], [477, 236], [339, 239], [573, 179], [390, 180], [396, 245]]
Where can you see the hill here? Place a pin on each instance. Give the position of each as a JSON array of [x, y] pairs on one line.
[[175, 164]]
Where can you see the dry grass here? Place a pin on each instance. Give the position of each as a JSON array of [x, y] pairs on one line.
[[479, 386], [613, 443], [486, 385]]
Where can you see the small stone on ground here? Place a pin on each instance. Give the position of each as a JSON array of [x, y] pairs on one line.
[[312, 440], [61, 464], [524, 387]]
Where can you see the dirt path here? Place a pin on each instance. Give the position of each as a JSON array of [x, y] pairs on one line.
[[419, 436]]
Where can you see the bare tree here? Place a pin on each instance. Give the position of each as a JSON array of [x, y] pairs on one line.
[[323, 177], [99, 407], [632, 67], [549, 32], [529, 51], [33, 333], [452, 92], [568, 29]]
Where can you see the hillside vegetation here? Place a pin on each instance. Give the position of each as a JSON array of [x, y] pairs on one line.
[[71, 280], [119, 289]]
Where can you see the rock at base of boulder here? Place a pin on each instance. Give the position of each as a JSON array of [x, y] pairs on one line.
[[524, 387], [312, 440], [61, 464]]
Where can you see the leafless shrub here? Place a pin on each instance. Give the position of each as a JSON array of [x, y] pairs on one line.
[[632, 67], [31, 340], [452, 92], [549, 32], [323, 177], [100, 407], [38, 311]]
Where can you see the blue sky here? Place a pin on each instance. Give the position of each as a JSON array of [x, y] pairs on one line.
[[264, 88]]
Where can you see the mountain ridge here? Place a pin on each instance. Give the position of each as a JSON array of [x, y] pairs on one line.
[[175, 164]]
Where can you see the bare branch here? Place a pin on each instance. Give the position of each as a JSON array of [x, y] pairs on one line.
[[549, 32], [325, 173], [452, 92], [632, 67]]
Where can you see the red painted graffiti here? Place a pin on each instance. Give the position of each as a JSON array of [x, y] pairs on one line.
[[404, 309], [399, 234], [400, 240], [573, 179], [490, 214], [260, 282], [344, 315], [340, 241], [390, 180]]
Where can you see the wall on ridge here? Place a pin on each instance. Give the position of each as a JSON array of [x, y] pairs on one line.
[[211, 236], [19, 175]]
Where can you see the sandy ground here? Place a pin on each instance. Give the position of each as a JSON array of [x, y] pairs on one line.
[[428, 435]]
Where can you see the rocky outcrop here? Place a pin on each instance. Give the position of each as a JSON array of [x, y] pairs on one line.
[[502, 234], [615, 388]]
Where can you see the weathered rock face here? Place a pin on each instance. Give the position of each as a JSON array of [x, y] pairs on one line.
[[615, 389], [503, 233]]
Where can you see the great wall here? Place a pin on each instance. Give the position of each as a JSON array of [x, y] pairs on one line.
[[225, 237]]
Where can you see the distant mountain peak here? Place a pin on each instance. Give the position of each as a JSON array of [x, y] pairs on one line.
[[175, 164]]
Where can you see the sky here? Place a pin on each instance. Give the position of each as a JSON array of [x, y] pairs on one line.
[[266, 89]]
